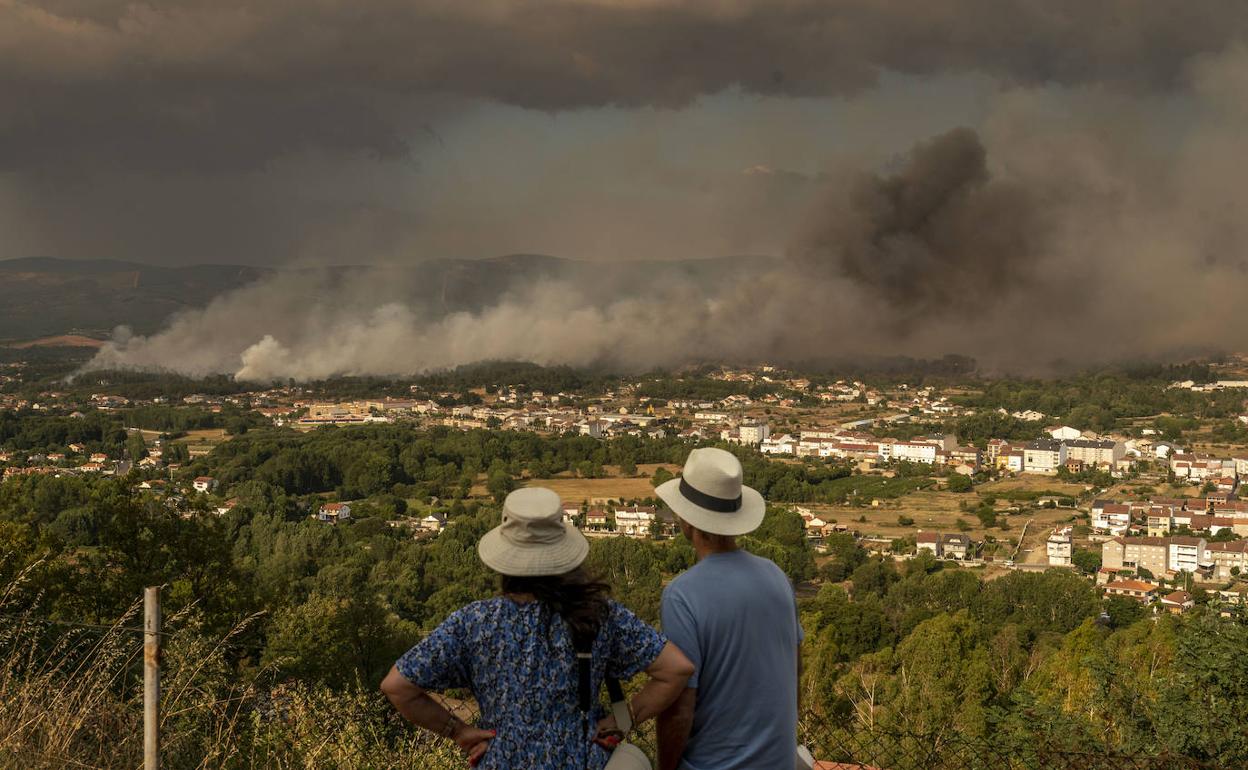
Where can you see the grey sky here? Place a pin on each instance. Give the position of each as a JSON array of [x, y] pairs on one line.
[[366, 130]]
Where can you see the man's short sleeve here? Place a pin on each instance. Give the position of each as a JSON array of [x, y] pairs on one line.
[[440, 660], [634, 645], [681, 628]]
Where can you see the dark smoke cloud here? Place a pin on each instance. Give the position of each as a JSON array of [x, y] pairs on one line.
[[939, 237], [202, 85], [223, 129], [217, 130]]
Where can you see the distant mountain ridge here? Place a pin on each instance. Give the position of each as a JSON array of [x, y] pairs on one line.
[[48, 296]]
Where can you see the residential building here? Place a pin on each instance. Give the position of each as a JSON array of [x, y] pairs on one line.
[[1015, 461], [1194, 467], [1059, 548], [754, 432], [1096, 454], [1229, 559], [964, 455], [204, 484], [928, 541], [916, 451], [570, 512], [334, 512], [994, 449], [634, 521], [1158, 555], [1114, 518], [956, 546], [1044, 456], [1063, 432], [596, 519], [782, 445], [434, 522], [1177, 602], [1132, 589], [1187, 554]]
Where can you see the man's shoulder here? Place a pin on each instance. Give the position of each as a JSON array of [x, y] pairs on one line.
[[681, 583]]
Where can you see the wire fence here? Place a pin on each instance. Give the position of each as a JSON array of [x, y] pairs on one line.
[[835, 746]]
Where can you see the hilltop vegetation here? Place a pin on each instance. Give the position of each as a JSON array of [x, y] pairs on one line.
[[284, 607]]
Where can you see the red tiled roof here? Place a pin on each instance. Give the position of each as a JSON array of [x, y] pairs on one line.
[[1130, 585]]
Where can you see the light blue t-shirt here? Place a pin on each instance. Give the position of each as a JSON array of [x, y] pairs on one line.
[[734, 615]]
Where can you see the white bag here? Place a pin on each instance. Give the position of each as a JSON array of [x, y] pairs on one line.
[[625, 756]]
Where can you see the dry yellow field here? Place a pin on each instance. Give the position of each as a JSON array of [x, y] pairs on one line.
[[934, 511], [201, 442], [575, 490], [1031, 484]]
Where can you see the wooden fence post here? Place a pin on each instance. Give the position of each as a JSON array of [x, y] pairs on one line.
[[151, 678]]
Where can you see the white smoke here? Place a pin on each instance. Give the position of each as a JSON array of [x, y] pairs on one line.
[[1079, 231]]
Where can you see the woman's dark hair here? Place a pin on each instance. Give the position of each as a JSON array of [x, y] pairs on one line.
[[576, 597]]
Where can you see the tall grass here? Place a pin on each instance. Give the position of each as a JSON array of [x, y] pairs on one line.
[[71, 697]]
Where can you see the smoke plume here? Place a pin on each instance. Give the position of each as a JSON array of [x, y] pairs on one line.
[[1094, 209]]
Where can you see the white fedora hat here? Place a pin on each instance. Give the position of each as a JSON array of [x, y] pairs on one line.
[[533, 540], [709, 494]]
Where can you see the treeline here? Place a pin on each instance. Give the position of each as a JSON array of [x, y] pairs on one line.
[[703, 389], [105, 431], [1099, 402], [35, 432], [1031, 658]]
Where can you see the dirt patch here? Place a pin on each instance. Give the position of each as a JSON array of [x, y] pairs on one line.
[[59, 341], [933, 511], [590, 490]]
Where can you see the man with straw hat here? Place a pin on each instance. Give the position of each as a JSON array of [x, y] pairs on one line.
[[734, 615], [536, 656]]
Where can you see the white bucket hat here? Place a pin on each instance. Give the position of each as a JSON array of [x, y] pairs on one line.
[[709, 494], [533, 540]]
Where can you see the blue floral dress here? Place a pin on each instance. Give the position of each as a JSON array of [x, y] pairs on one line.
[[518, 660]]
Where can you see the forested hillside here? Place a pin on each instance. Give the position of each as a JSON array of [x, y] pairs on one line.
[[280, 626]]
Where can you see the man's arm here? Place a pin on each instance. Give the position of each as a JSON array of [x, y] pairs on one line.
[[674, 726], [799, 680], [418, 708]]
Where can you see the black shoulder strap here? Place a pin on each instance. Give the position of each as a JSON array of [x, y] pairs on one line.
[[584, 659], [614, 691]]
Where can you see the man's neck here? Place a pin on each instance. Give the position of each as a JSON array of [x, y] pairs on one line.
[[704, 549]]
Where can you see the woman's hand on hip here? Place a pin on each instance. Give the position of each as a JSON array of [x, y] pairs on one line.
[[473, 741]]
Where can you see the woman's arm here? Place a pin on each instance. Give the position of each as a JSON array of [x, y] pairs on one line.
[[418, 708], [668, 674]]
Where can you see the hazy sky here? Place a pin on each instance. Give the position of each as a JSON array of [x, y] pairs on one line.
[[265, 131]]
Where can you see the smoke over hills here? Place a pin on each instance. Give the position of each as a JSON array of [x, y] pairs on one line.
[[1093, 208], [1016, 267]]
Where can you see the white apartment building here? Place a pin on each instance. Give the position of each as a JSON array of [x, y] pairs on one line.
[[1096, 453], [915, 451], [634, 521], [754, 432], [1199, 467], [1060, 548], [1158, 555], [1064, 433], [1114, 518], [782, 445], [1187, 554], [1044, 456]]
